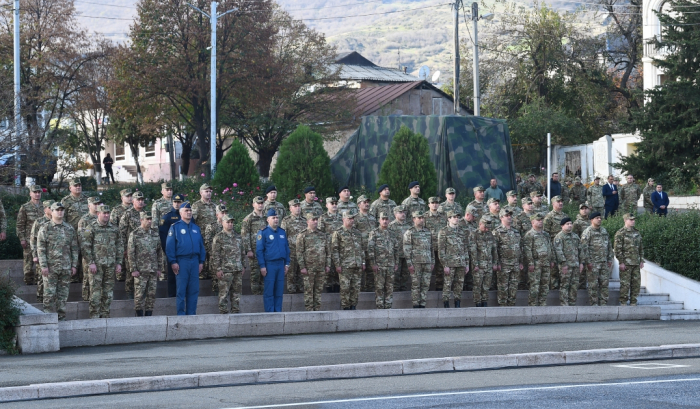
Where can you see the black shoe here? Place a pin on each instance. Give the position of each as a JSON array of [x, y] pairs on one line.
[[139, 313], [416, 306], [485, 304], [458, 303], [149, 313], [422, 306], [346, 309], [352, 307], [447, 304]]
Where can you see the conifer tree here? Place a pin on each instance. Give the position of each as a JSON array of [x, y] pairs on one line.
[[408, 160], [236, 167]]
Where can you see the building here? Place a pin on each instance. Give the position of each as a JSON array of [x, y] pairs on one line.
[[651, 29], [358, 72]]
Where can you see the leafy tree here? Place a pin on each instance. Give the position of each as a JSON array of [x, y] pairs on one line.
[[408, 160], [303, 161], [236, 167], [669, 122]]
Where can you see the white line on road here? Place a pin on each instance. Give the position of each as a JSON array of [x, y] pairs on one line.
[[651, 366], [432, 395]]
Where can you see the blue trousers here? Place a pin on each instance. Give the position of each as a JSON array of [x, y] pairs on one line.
[[188, 286], [274, 286]]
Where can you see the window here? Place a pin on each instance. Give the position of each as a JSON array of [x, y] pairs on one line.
[[151, 150], [573, 163], [661, 78], [119, 152]]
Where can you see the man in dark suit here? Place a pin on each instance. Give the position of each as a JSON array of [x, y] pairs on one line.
[[660, 201], [611, 198]]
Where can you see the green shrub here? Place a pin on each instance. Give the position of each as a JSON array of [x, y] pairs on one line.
[[302, 161], [408, 160], [236, 168], [9, 315]]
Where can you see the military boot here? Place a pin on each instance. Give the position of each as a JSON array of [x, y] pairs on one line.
[[458, 303], [149, 313], [484, 304], [447, 304], [346, 308], [352, 307], [129, 295], [416, 306], [139, 313]]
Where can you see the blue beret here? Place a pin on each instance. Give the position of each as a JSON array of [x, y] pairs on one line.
[[412, 184], [185, 205], [271, 212], [309, 189], [270, 189], [382, 187], [342, 188]]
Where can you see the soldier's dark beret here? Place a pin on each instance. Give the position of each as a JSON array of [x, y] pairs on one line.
[[413, 184], [342, 188], [270, 189], [382, 187], [594, 215], [309, 189], [564, 221]]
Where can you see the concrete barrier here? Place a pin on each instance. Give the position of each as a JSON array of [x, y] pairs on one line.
[[37, 331], [658, 280]]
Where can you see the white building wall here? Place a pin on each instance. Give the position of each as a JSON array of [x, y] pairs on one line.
[[598, 157]]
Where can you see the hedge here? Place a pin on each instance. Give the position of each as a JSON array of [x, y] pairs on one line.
[[9, 314]]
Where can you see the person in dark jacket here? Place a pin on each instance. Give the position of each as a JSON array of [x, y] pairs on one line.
[[108, 162], [272, 249], [660, 201], [612, 200], [555, 185]]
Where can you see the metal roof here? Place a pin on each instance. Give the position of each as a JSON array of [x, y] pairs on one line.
[[368, 73], [372, 98]]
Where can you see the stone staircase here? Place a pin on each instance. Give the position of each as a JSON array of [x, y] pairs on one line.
[[670, 310]]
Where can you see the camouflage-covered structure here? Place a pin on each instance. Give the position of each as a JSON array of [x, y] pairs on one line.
[[466, 150]]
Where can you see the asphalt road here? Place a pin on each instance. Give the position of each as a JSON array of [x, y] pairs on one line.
[[661, 384]]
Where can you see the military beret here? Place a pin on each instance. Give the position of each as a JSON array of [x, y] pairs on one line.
[[125, 192], [138, 195], [221, 208], [504, 212], [349, 214], [227, 217], [526, 200], [537, 216], [331, 199], [564, 221], [384, 215], [582, 205], [178, 198], [94, 200], [629, 216], [48, 203], [382, 187], [418, 213], [185, 205], [309, 189], [478, 189], [434, 199], [362, 198], [512, 193], [472, 210], [294, 202], [205, 187], [75, 182], [310, 216], [594, 215], [557, 199], [342, 188], [144, 215], [36, 188], [492, 200], [399, 209], [103, 208], [453, 213], [535, 193], [57, 205], [258, 199], [270, 189], [485, 220], [166, 185], [577, 179], [450, 190], [271, 213], [413, 184]]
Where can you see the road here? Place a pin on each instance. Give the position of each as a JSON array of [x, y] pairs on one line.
[[166, 358]]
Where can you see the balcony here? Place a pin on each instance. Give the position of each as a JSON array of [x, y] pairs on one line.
[[651, 50]]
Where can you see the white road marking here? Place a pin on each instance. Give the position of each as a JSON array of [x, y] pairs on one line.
[[651, 366], [430, 395]]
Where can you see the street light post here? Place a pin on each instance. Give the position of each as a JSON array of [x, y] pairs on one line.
[[477, 90], [18, 101]]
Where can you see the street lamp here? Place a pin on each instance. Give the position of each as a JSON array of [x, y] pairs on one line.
[[475, 19]]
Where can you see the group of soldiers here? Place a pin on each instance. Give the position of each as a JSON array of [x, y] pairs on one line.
[[349, 247]]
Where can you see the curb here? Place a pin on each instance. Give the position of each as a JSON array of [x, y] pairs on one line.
[[343, 371]]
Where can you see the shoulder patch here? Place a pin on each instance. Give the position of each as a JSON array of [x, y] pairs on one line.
[[259, 236]]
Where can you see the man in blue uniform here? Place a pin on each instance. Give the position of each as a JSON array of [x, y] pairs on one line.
[[272, 250], [185, 250], [167, 220]]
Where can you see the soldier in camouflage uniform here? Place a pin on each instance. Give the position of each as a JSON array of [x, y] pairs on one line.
[[76, 206], [510, 261], [538, 204], [398, 227], [646, 194], [567, 251], [35, 257], [251, 225], [228, 261], [450, 203], [580, 224], [204, 214], [552, 225], [344, 202], [537, 246], [454, 254], [163, 205], [493, 207], [486, 261], [413, 203], [478, 202], [629, 195], [578, 192], [383, 255], [597, 252], [530, 186], [146, 262], [101, 244], [596, 201], [329, 223], [347, 249], [512, 206], [310, 203], [57, 250], [293, 224], [383, 204], [418, 250], [272, 203], [365, 223], [468, 226], [118, 210], [435, 221], [130, 221], [85, 221], [630, 253], [523, 224], [209, 232], [313, 252], [28, 214]]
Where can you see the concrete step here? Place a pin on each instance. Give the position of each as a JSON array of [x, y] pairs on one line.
[[665, 305], [642, 290], [652, 298], [667, 315]]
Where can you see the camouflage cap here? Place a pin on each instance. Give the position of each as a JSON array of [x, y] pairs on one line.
[[57, 205], [76, 182], [310, 216], [48, 203], [531, 175], [535, 193], [504, 212], [577, 179], [629, 216], [331, 199], [450, 190], [36, 188], [258, 199], [486, 220], [362, 198], [434, 199], [453, 213], [221, 208], [138, 195], [479, 189], [399, 209], [537, 216], [472, 210], [145, 215], [557, 199], [582, 206], [294, 202], [418, 213], [384, 215], [178, 198], [616, 178], [166, 185], [205, 187], [125, 192], [492, 200], [104, 208], [227, 217], [349, 214], [526, 200], [512, 193], [94, 200], [597, 178], [650, 180]]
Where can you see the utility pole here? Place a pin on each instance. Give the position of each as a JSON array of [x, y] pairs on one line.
[[18, 101], [477, 91], [457, 5], [213, 18]]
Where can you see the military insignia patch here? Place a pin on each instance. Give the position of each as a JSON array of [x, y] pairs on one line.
[[272, 237], [170, 233], [183, 231], [259, 236]]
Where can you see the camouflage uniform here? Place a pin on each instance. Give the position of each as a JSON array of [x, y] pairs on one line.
[[508, 246], [480, 207], [39, 279], [313, 207], [435, 222], [117, 213], [596, 201], [204, 214], [515, 210], [567, 251], [454, 254], [537, 246], [57, 250], [630, 252], [330, 223], [145, 256], [597, 251], [446, 206], [101, 244], [577, 193], [279, 208], [28, 214], [347, 206], [382, 206], [629, 195], [646, 193], [227, 256], [467, 230], [486, 256], [250, 227], [411, 205], [401, 276], [580, 224], [313, 254], [418, 250], [552, 225], [209, 232], [84, 222], [383, 252], [530, 187], [293, 225], [159, 209], [347, 252], [130, 221], [365, 223], [75, 209]]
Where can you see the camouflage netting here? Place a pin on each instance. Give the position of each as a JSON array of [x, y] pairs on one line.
[[466, 150]]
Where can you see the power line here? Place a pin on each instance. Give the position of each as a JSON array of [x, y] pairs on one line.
[[375, 14]]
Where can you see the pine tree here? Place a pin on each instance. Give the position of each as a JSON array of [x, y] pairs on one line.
[[408, 160], [302, 161], [669, 122], [236, 167]]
